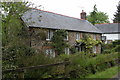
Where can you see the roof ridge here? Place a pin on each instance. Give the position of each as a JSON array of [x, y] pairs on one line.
[[55, 13]]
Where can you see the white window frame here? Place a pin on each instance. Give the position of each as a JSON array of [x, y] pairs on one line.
[[49, 35], [67, 51], [77, 36], [50, 52], [94, 49], [94, 36]]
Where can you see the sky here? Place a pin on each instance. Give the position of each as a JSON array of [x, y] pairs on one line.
[[73, 8]]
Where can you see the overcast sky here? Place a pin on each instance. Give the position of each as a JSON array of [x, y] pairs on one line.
[[74, 7]]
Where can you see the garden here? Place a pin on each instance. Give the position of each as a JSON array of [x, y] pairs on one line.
[[80, 66]]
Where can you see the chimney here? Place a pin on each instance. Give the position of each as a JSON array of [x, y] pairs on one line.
[[83, 15]]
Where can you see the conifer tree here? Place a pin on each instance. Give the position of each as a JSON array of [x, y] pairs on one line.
[[117, 14]]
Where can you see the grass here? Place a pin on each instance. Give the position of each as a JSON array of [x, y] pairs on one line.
[[108, 73]]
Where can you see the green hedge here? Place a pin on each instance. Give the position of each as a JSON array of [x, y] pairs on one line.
[[82, 64]]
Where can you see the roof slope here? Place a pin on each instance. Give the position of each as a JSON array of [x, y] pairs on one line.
[[109, 28], [45, 19]]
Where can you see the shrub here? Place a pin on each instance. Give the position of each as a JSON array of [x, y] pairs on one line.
[[38, 59], [107, 51], [111, 47], [73, 50], [117, 48], [89, 65], [13, 57], [116, 42]]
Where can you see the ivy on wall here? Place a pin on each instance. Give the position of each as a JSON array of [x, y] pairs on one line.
[[89, 42], [58, 41]]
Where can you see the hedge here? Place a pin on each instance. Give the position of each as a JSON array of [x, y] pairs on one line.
[[82, 64]]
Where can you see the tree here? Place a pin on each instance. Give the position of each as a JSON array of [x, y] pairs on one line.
[[59, 43], [15, 35], [96, 16], [117, 14]]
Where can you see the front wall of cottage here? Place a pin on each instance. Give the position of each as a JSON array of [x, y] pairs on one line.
[[37, 42], [72, 38], [40, 45]]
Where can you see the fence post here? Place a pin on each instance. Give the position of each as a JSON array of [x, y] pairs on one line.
[[65, 69], [21, 75]]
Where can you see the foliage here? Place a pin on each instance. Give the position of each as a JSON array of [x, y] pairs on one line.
[[115, 43], [15, 36], [117, 48], [82, 64], [108, 73], [58, 41], [38, 59], [12, 27], [117, 14], [96, 17], [89, 42], [111, 47], [73, 50]]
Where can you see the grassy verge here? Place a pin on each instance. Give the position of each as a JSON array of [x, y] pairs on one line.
[[108, 73]]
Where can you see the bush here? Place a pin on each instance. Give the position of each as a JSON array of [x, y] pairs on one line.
[[117, 48], [111, 47], [116, 42], [38, 59], [81, 64], [107, 51], [13, 56], [84, 64], [73, 50]]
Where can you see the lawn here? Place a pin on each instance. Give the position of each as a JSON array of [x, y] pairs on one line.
[[108, 73]]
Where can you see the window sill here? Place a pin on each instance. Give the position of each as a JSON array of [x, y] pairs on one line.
[[66, 39], [47, 39]]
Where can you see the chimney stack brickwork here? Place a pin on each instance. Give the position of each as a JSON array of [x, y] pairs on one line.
[[83, 15]]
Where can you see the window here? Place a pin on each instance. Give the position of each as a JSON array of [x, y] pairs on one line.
[[77, 36], [103, 38], [66, 38], [94, 49], [78, 49], [67, 51], [50, 52], [94, 36], [49, 34]]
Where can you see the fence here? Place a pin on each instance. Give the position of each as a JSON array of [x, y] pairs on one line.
[[66, 62], [22, 70]]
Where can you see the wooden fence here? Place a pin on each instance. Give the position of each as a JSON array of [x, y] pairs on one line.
[[22, 70], [66, 62]]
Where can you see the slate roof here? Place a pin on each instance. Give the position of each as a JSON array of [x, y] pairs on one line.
[[45, 19], [109, 27]]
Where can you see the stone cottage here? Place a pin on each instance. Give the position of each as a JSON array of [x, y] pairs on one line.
[[39, 21]]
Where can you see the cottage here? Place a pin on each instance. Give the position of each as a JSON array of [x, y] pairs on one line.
[[110, 31], [39, 20]]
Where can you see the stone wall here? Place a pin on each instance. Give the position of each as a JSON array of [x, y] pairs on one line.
[[40, 44]]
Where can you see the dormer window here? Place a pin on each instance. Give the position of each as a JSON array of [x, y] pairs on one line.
[[49, 35], [77, 36]]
